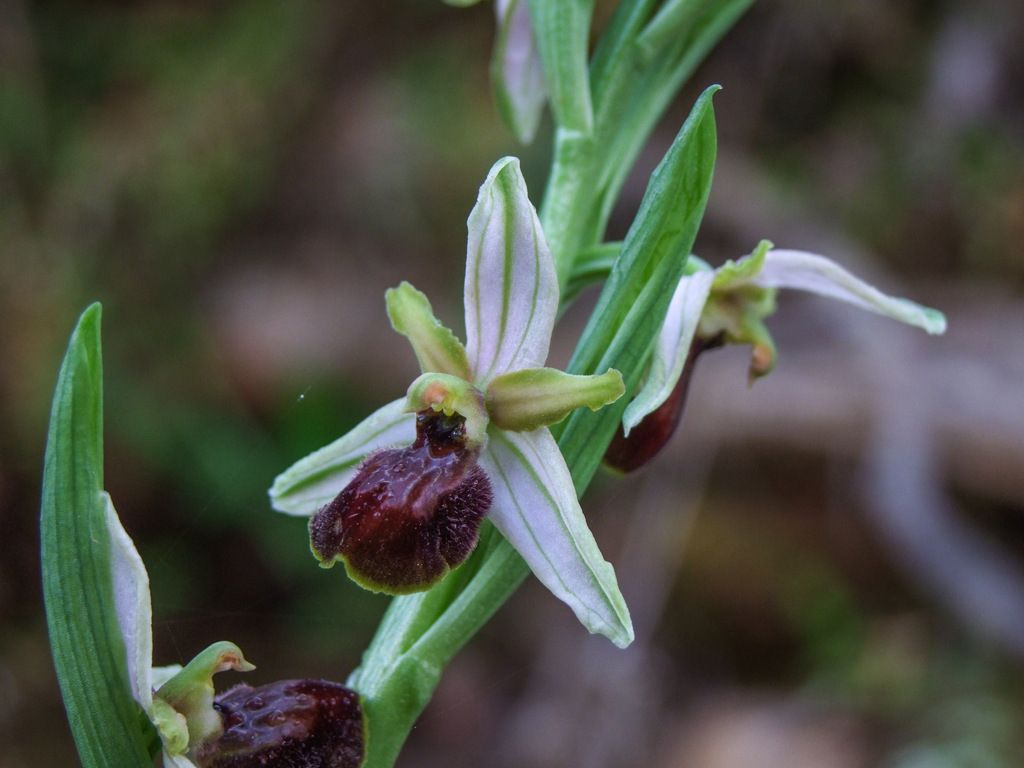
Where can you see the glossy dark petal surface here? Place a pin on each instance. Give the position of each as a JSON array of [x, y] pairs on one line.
[[410, 514], [288, 724], [646, 439]]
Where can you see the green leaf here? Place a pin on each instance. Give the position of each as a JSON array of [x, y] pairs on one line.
[[109, 727], [673, 20], [635, 299], [437, 348], [637, 95], [531, 398], [562, 31], [591, 265]]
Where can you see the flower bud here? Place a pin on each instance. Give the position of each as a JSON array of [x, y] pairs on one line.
[[410, 514], [294, 723], [646, 439]]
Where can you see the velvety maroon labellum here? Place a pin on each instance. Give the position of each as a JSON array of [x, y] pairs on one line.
[[646, 439], [410, 514], [289, 724]]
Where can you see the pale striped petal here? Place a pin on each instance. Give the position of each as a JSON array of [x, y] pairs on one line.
[[313, 481], [672, 347], [811, 272], [511, 287], [536, 509]]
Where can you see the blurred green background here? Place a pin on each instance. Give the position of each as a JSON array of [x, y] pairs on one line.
[[825, 569]]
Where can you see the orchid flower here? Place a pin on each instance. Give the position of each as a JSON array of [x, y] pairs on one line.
[[541, 56], [516, 70], [729, 304], [477, 418], [242, 727]]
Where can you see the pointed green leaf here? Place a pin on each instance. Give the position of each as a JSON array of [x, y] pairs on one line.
[[531, 398], [516, 71], [511, 288], [630, 311], [811, 272], [536, 510], [437, 348], [562, 30], [672, 348], [314, 480], [89, 653]]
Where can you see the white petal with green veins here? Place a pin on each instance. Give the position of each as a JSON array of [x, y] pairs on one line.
[[536, 509], [531, 398], [511, 287], [313, 481], [133, 605], [672, 347], [811, 272], [437, 348], [516, 70]]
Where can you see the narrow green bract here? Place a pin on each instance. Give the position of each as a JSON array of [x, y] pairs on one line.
[[109, 727], [629, 313]]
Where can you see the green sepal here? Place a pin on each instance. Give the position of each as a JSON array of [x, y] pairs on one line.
[[190, 692], [437, 349], [742, 270], [739, 314], [451, 395], [108, 725], [531, 398]]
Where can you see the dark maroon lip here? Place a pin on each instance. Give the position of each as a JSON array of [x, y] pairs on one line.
[[410, 514], [290, 723], [650, 436]]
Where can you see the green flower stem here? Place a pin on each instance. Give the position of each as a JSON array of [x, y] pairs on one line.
[[567, 199], [634, 75], [421, 633]]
